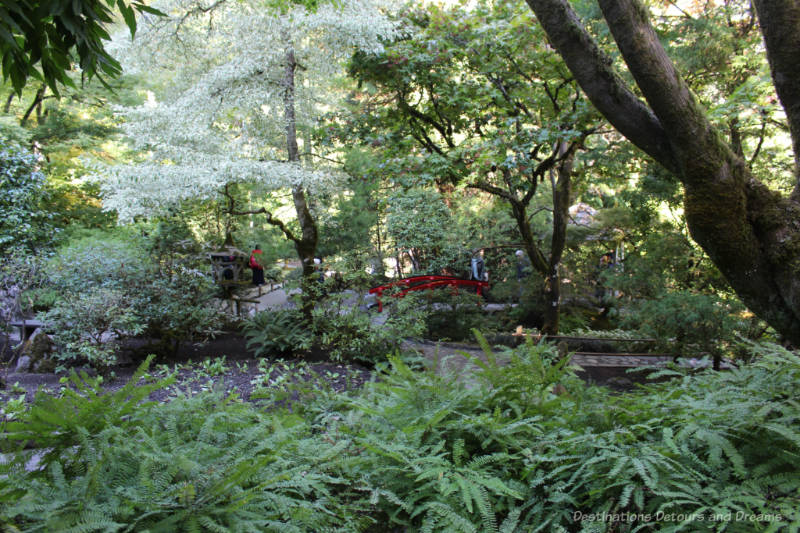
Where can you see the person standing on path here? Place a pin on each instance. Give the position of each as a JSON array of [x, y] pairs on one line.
[[256, 266], [523, 271]]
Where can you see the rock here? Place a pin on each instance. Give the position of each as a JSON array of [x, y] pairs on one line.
[[37, 349], [44, 366], [23, 364], [563, 349], [619, 383], [6, 348]]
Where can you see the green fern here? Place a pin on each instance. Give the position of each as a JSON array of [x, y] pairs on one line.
[[417, 451]]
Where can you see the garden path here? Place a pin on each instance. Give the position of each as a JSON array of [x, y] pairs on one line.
[[610, 370]]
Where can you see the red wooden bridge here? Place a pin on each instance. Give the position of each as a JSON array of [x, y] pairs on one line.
[[421, 283]]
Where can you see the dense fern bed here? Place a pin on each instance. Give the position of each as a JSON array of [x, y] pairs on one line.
[[526, 446]]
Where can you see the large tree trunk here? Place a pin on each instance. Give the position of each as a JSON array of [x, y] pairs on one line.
[[751, 233], [306, 244], [538, 261], [780, 25]]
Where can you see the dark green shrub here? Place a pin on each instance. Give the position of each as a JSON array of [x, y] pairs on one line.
[[24, 223], [20, 274], [348, 333], [111, 288], [453, 315], [688, 324], [339, 326], [169, 244], [421, 226], [40, 298], [273, 275], [87, 325], [179, 308]]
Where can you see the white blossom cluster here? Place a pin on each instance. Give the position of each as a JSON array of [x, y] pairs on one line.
[[219, 115], [147, 188]]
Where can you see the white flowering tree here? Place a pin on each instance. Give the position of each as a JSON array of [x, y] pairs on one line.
[[240, 80]]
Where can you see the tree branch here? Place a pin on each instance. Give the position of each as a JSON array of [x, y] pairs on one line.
[[757, 151], [539, 210], [280, 225], [492, 189], [426, 119], [36, 101], [421, 136], [444, 120], [196, 11], [675, 107], [519, 70], [312, 154], [7, 106], [497, 82], [780, 24], [263, 210], [593, 72]]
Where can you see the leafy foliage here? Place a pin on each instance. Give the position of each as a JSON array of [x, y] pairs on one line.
[[277, 332], [110, 289], [523, 446], [350, 334], [453, 315], [356, 218], [214, 123], [48, 35], [23, 221], [508, 441], [20, 275], [688, 323], [87, 324], [338, 326], [418, 221], [196, 463]]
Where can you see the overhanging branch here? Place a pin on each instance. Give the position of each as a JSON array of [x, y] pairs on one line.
[[261, 211], [607, 91]]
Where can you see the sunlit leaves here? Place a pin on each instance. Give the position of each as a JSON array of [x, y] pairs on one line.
[[47, 39], [220, 119], [22, 188]]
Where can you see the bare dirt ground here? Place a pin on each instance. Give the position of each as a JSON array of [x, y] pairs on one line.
[[224, 363]]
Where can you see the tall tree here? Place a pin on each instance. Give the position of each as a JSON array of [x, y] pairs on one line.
[[751, 232], [475, 98], [244, 82]]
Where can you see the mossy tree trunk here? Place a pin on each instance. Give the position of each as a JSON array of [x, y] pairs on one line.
[[750, 232]]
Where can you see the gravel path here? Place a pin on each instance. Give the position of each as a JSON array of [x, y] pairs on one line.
[[612, 371]]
